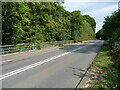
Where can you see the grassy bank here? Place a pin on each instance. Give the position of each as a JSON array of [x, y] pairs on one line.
[[105, 71]]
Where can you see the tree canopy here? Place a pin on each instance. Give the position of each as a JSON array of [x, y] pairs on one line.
[[111, 27], [31, 22]]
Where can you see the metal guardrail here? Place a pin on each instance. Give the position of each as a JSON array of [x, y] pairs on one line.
[[5, 49]]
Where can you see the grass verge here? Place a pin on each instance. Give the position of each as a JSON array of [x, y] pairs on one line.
[[105, 71]]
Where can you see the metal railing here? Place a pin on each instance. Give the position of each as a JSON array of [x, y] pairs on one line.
[[5, 49]]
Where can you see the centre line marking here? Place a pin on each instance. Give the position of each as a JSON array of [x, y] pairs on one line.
[[35, 64]]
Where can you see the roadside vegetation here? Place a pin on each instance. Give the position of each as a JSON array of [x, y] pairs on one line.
[[108, 59], [36, 22], [104, 70]]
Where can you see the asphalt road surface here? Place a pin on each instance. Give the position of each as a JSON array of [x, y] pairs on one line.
[[59, 67]]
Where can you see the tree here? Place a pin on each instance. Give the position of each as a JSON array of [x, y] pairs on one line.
[[15, 17], [76, 21], [112, 26], [31, 22], [91, 21]]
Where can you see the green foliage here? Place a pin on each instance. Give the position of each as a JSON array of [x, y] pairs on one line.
[[38, 46], [111, 32], [108, 78], [111, 27], [91, 21], [100, 34], [14, 20], [34, 22], [87, 32], [76, 21], [115, 52]]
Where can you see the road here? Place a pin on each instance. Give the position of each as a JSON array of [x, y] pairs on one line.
[[59, 67]]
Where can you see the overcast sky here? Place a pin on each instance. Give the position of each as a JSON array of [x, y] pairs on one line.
[[98, 10]]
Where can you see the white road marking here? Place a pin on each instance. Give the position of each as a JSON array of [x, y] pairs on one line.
[[35, 64]]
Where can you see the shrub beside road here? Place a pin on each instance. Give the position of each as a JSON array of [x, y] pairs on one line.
[[103, 72]]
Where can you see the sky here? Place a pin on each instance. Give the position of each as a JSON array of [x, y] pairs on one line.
[[97, 10]]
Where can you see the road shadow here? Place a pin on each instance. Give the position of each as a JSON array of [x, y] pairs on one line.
[[87, 47], [78, 72]]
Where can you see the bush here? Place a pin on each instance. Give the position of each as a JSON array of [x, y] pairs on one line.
[[115, 52], [38, 46]]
